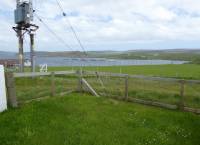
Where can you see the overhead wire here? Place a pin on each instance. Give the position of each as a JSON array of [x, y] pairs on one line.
[[71, 27], [52, 32], [35, 6]]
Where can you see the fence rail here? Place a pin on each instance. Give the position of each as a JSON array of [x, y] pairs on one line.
[[132, 88], [140, 77], [36, 74]]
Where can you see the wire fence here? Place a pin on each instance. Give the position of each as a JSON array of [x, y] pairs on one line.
[[29, 87], [155, 90], [163, 92]]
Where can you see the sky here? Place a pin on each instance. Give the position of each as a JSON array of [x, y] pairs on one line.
[[108, 25]]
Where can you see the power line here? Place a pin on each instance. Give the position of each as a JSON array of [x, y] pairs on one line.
[[35, 6], [71, 27], [52, 32]]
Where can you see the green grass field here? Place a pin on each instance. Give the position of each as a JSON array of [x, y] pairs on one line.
[[187, 71], [86, 120], [83, 119]]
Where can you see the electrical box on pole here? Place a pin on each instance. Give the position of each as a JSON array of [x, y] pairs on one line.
[[24, 18], [23, 15]]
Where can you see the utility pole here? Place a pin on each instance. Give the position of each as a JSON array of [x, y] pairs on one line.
[[21, 49], [23, 18], [18, 2], [32, 52], [20, 41]]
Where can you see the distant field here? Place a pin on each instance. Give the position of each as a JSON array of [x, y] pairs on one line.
[[86, 120], [164, 55], [174, 54], [192, 55], [187, 71]]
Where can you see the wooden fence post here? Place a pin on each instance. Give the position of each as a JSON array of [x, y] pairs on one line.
[[52, 84], [80, 83], [126, 87], [182, 94], [11, 91]]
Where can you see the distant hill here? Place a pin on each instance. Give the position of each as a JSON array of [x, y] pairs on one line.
[[168, 54], [61, 54], [175, 54], [7, 55]]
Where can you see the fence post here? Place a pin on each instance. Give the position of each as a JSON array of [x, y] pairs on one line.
[[126, 87], [80, 83], [182, 94], [52, 84], [11, 91]]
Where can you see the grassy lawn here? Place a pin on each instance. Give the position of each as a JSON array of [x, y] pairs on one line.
[[82, 119], [187, 71], [85, 120]]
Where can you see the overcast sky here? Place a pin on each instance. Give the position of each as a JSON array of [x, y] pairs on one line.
[[109, 24]]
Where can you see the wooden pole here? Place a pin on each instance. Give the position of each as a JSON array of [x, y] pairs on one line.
[[182, 94], [52, 84], [32, 52], [80, 83], [11, 91], [126, 87], [21, 50]]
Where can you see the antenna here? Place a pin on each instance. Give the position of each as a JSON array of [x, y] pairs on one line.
[[18, 2], [23, 19], [31, 9]]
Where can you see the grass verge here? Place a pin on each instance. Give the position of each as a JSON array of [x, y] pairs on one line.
[[82, 120]]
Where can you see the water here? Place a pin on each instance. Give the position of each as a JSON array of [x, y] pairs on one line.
[[63, 61]]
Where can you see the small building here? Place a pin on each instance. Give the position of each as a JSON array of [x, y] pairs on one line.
[[27, 63], [9, 63]]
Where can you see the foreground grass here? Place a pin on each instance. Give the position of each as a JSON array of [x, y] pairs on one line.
[[83, 120], [187, 71]]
